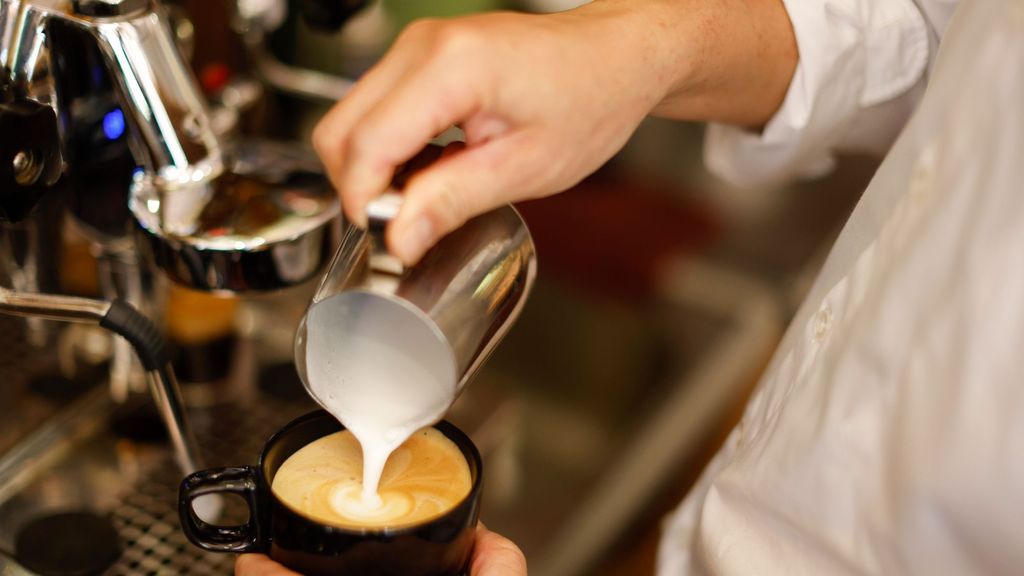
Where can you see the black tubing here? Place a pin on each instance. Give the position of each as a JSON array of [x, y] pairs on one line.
[[143, 335]]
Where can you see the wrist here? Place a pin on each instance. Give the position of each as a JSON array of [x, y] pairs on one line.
[[707, 61], [641, 44]]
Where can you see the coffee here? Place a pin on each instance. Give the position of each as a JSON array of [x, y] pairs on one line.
[[424, 478]]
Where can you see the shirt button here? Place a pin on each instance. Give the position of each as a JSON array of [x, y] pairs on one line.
[[822, 323], [922, 176]]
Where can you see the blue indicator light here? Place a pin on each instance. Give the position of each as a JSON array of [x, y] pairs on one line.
[[113, 124]]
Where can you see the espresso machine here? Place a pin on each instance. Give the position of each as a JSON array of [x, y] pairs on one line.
[[103, 128], [97, 91]]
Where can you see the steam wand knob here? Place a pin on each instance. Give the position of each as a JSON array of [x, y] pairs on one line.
[[30, 160]]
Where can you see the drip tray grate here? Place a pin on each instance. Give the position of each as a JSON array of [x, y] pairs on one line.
[[146, 518], [69, 456]]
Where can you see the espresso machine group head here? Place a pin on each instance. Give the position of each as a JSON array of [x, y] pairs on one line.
[[237, 216]]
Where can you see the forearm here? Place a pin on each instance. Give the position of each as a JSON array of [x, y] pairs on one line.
[[707, 60]]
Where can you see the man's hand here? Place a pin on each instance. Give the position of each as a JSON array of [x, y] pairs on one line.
[[260, 565], [493, 555], [543, 100]]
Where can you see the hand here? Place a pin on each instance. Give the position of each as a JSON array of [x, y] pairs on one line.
[[493, 555], [260, 565], [543, 100]]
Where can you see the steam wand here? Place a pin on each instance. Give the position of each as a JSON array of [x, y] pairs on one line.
[[120, 317]]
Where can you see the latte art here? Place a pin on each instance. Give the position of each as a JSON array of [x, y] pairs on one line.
[[348, 501], [424, 478]]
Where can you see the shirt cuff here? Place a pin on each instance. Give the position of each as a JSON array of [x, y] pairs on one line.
[[855, 56]]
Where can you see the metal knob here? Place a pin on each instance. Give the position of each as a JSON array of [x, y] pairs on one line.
[[31, 163]]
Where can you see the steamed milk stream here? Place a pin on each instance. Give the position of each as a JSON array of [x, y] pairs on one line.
[[375, 369]]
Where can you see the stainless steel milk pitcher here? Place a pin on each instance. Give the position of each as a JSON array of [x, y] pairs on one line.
[[447, 313]]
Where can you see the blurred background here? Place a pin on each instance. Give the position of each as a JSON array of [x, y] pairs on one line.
[[661, 295]]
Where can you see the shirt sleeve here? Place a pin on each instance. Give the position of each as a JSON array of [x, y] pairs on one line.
[[861, 72]]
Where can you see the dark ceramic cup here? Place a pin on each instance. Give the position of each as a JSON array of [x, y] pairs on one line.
[[438, 547]]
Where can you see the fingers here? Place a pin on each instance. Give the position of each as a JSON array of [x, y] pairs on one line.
[[495, 555], [260, 565], [394, 131], [410, 97], [457, 187], [330, 137]]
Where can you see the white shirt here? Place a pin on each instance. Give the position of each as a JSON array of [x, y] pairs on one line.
[[887, 435]]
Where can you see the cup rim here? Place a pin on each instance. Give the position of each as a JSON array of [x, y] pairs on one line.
[[461, 439]]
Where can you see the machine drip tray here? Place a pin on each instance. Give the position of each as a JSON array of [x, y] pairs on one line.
[[129, 482], [90, 487]]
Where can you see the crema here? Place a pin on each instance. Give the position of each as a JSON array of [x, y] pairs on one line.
[[424, 478]]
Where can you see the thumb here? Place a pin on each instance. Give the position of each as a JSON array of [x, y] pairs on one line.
[[495, 555], [458, 187]]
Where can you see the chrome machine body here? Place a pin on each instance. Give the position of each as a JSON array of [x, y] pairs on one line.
[[45, 49], [216, 216]]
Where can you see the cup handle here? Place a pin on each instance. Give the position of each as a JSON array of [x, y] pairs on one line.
[[243, 481]]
